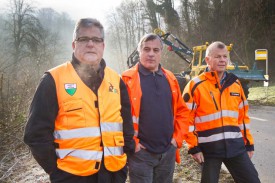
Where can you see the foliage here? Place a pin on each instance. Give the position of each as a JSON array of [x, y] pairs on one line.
[[30, 45], [249, 25]]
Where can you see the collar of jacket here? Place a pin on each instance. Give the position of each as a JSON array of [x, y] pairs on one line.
[[213, 78]]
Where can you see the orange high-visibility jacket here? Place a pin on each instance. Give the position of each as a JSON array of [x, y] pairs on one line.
[[180, 111], [219, 122], [85, 122]]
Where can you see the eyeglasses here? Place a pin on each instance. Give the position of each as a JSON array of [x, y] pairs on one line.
[[95, 40]]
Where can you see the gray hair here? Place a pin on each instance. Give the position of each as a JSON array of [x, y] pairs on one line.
[[87, 23], [148, 37], [212, 46]]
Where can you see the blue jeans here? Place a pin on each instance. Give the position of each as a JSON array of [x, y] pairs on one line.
[[146, 167]]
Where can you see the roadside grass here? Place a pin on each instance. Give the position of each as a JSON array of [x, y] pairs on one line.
[[260, 95]]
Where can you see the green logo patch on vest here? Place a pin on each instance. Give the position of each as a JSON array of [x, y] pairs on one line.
[[70, 88]]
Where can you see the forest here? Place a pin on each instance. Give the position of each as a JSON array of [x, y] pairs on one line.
[[33, 40]]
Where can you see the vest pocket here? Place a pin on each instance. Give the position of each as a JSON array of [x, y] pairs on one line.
[[74, 112], [119, 140]]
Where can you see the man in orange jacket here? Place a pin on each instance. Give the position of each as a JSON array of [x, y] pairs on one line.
[[80, 126], [219, 129], [158, 114]]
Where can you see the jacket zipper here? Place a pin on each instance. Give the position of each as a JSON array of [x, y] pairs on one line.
[[213, 98]]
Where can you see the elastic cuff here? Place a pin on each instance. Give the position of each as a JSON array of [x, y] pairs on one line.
[[249, 147], [194, 150]]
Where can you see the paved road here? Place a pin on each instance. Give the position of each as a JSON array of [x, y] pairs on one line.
[[263, 131]]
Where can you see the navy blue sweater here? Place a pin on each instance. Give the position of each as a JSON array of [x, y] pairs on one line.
[[156, 113]]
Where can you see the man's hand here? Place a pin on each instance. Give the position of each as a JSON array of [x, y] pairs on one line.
[[198, 157], [138, 147], [250, 154], [174, 143]]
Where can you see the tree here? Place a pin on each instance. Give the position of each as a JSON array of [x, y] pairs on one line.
[[24, 29]]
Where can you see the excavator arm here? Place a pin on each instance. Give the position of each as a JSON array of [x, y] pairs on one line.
[[173, 43]]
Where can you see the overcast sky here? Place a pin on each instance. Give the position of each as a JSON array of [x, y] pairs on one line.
[[76, 8]]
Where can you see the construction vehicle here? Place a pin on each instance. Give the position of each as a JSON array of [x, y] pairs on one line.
[[195, 58]]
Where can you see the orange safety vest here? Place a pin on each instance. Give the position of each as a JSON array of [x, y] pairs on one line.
[[86, 121], [180, 111], [218, 115]]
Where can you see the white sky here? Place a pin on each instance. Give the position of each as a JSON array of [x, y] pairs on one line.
[[82, 8], [76, 8]]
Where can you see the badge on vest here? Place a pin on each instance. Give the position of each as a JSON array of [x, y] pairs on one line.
[[70, 88], [112, 88], [234, 94]]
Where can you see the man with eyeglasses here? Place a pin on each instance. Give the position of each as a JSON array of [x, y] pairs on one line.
[[80, 126]]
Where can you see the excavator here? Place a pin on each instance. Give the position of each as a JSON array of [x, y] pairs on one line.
[[196, 63]]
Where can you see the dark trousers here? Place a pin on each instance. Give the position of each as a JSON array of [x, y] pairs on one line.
[[146, 167], [240, 167], [103, 176]]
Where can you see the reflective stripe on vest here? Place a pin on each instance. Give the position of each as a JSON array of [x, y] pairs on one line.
[[83, 154], [220, 136], [77, 133], [247, 126], [111, 126], [242, 104], [196, 80], [135, 133], [217, 115], [135, 119], [136, 123], [113, 151], [191, 128], [190, 105]]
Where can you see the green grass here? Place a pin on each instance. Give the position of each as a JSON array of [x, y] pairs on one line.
[[261, 95]]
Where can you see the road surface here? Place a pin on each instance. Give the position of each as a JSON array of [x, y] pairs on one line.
[[263, 131]]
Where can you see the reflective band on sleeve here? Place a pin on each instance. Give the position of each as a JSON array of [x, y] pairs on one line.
[[77, 133], [217, 115], [135, 119], [241, 104], [83, 154], [247, 126], [190, 105], [196, 80], [191, 128], [135, 133], [220, 136], [110, 126], [113, 151]]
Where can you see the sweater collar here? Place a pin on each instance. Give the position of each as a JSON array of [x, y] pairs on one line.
[[147, 72]]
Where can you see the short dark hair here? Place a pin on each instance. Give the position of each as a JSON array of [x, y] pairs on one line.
[[148, 37], [87, 22]]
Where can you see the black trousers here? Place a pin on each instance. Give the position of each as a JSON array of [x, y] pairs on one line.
[[103, 176], [240, 167]]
